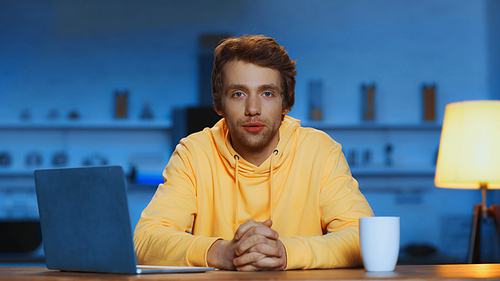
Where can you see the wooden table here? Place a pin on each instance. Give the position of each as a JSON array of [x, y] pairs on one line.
[[403, 272]]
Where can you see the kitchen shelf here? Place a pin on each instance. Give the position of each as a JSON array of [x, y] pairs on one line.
[[393, 171], [321, 125], [88, 125]]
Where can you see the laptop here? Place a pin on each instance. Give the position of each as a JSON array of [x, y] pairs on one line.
[[85, 222]]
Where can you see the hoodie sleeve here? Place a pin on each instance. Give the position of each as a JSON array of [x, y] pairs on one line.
[[162, 235], [341, 206]]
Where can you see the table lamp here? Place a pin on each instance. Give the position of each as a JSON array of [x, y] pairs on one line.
[[469, 158]]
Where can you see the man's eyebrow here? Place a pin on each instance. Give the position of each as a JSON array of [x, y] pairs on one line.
[[236, 87], [269, 87], [242, 87]]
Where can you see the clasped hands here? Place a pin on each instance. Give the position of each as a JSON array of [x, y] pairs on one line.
[[255, 246]]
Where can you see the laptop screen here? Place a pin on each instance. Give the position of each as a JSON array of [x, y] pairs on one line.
[[85, 220]]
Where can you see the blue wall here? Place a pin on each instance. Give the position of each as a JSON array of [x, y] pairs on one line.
[[75, 54]]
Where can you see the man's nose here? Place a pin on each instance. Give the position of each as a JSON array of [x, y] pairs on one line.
[[253, 105]]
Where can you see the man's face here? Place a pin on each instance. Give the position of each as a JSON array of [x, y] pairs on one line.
[[252, 106]]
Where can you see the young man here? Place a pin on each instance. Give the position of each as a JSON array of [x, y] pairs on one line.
[[257, 191]]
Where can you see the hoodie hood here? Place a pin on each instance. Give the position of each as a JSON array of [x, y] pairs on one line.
[[282, 154], [221, 137]]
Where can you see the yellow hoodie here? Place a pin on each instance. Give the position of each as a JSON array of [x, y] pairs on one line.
[[305, 187]]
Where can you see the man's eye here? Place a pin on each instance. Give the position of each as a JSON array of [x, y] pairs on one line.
[[238, 95], [268, 94]]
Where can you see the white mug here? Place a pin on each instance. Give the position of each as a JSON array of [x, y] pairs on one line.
[[379, 239]]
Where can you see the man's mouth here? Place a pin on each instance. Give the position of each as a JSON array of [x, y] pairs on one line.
[[253, 127]]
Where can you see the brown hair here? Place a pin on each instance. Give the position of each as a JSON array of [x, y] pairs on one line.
[[260, 50]]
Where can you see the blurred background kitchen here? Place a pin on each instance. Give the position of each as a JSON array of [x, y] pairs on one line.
[[119, 82]]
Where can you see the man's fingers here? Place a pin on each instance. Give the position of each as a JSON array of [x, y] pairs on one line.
[[267, 223], [259, 230], [249, 258], [271, 250], [269, 263], [250, 267], [258, 261], [252, 241], [244, 244], [249, 224], [244, 227], [268, 250]]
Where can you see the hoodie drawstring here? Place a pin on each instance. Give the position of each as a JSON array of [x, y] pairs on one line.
[[237, 195], [235, 200], [271, 166]]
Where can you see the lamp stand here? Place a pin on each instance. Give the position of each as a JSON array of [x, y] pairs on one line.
[[481, 211]]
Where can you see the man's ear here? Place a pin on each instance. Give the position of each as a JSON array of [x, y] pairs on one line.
[[285, 111], [219, 112]]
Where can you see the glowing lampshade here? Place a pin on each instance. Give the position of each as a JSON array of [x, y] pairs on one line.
[[469, 150]]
